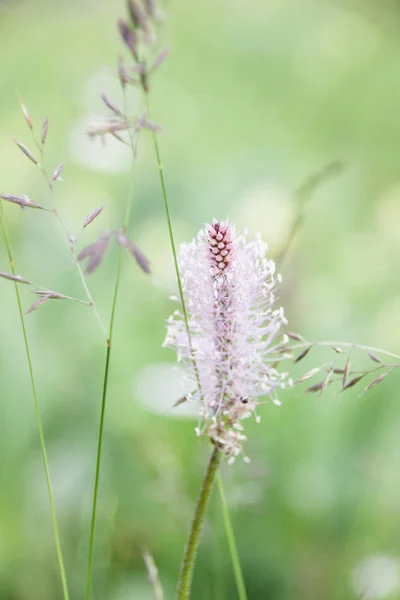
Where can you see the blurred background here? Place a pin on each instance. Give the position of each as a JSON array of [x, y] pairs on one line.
[[254, 97]]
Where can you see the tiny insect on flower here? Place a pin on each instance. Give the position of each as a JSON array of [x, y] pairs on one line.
[[229, 291]]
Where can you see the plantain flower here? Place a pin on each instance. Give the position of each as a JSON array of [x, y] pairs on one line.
[[229, 291]]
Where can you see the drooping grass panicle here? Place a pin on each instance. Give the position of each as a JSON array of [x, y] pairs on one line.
[[51, 180], [339, 369], [38, 290], [96, 251]]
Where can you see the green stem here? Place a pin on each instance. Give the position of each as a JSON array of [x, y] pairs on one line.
[[104, 400], [38, 415], [189, 558], [97, 475], [172, 242], [231, 542], [229, 532]]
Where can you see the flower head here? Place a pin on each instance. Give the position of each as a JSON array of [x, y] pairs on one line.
[[228, 286]]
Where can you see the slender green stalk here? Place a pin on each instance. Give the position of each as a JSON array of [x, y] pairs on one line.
[[187, 567], [229, 532], [97, 475], [38, 415], [231, 542], [171, 236], [104, 398]]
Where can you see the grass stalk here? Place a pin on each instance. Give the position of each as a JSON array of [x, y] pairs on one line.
[[57, 541], [171, 234], [97, 473], [104, 396], [237, 569]]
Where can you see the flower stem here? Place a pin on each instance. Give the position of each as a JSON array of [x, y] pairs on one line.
[[231, 542], [188, 562], [229, 531], [38, 414], [104, 399]]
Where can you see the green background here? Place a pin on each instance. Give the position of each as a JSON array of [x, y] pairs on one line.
[[254, 97]]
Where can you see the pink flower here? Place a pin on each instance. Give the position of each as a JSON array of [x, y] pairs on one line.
[[228, 285]]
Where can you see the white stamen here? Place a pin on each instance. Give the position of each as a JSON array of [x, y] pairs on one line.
[[233, 325]]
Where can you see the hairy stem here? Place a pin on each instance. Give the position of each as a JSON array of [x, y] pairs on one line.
[[38, 414], [189, 558], [237, 569]]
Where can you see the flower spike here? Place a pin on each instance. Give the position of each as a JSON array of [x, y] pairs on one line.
[[229, 289]]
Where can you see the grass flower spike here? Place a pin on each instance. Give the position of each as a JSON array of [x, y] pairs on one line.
[[229, 289]]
